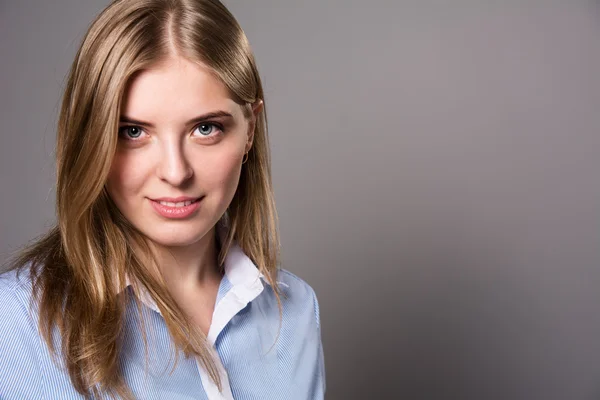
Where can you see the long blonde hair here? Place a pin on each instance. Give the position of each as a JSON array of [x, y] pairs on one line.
[[80, 266]]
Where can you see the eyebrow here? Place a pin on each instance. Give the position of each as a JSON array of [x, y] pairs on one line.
[[203, 117]]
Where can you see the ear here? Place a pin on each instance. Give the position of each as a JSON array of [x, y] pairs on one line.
[[257, 107]]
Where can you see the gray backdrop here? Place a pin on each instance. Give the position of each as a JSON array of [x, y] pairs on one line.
[[436, 171]]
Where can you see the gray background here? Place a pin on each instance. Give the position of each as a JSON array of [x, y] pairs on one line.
[[436, 171]]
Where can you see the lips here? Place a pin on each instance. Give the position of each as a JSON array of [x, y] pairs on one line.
[[178, 204], [179, 199], [176, 208]]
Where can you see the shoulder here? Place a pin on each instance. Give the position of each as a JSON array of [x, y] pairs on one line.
[[20, 341], [294, 285], [300, 337], [15, 289], [298, 295], [16, 308]]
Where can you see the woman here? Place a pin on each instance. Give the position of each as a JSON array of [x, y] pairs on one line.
[[160, 280]]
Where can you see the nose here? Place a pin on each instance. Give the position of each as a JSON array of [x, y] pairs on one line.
[[174, 167]]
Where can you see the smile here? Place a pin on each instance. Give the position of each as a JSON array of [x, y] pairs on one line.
[[176, 208], [180, 204]]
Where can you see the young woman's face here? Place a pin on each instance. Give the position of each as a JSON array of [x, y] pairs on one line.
[[181, 144]]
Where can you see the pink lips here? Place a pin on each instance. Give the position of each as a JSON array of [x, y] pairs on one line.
[[175, 211]]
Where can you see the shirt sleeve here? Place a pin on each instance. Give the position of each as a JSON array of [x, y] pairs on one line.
[[301, 348], [20, 374], [320, 381]]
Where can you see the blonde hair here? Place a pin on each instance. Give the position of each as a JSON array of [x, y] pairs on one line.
[[80, 266]]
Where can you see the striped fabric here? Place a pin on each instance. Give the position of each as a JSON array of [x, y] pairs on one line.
[[254, 362]]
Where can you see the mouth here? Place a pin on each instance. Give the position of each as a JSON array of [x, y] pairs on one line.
[[176, 201], [176, 208], [178, 204]]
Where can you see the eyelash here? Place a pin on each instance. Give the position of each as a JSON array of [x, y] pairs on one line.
[[214, 124]]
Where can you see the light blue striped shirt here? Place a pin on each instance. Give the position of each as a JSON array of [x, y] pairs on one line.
[[243, 330]]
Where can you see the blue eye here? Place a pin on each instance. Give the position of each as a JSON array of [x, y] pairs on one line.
[[131, 132], [205, 129]]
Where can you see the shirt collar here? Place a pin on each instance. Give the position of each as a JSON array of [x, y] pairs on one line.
[[240, 270]]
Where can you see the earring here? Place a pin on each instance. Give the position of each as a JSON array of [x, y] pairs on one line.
[[245, 158]]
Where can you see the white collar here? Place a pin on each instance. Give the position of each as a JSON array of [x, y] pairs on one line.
[[239, 270], [246, 284]]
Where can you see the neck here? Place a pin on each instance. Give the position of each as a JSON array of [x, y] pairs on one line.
[[188, 268]]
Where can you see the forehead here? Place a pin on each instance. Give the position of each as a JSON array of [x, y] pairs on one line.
[[176, 89]]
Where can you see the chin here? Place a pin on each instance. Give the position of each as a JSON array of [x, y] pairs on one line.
[[177, 237], [173, 241], [174, 233]]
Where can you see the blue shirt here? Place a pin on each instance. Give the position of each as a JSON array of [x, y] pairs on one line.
[[243, 332]]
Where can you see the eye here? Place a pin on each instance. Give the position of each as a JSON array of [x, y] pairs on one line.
[[130, 132], [206, 129]]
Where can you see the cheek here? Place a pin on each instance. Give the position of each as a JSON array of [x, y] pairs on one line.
[[124, 177], [223, 172]]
